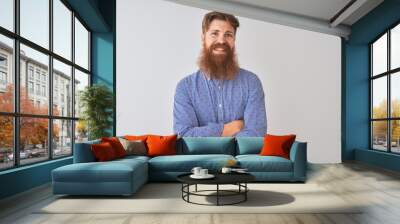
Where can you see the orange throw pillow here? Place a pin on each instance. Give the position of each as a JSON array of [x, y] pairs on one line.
[[142, 138], [277, 145], [103, 151], [161, 145], [116, 145]]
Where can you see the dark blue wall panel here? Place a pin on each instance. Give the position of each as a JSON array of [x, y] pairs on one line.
[[357, 99], [24, 178], [103, 63]]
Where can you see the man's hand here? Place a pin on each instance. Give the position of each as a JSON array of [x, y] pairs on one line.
[[231, 128]]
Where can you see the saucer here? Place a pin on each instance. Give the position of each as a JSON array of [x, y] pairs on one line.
[[208, 176]]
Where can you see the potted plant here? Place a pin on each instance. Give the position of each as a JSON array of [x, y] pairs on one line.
[[96, 102]]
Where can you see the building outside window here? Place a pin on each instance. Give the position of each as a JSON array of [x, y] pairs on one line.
[[44, 77], [3, 61], [3, 72], [30, 72], [37, 75], [30, 87], [43, 90], [3, 78], [38, 89]]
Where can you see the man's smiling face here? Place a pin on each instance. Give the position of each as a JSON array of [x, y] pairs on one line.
[[219, 38], [218, 57]]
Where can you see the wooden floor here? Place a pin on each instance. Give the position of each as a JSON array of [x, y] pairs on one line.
[[377, 188]]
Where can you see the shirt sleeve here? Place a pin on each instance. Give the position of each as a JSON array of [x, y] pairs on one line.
[[255, 118], [185, 119]]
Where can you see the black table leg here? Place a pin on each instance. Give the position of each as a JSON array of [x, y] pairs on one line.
[[182, 190], [217, 194], [245, 193], [196, 188], [188, 190]]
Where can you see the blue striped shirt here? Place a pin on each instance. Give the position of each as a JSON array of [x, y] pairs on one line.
[[202, 105]]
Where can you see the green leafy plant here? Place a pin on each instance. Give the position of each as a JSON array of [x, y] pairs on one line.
[[96, 102]]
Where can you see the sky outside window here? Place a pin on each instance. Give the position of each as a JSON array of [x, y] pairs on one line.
[[395, 47], [7, 14], [35, 21], [379, 56], [62, 29], [81, 45]]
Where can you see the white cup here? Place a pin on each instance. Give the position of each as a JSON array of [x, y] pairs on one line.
[[226, 170], [196, 171], [203, 172]]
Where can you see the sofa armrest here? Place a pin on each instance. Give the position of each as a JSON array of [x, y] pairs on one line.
[[83, 152], [298, 155]]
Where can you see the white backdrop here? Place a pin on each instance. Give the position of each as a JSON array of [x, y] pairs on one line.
[[158, 43]]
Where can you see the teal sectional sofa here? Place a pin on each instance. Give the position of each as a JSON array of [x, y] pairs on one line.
[[125, 176]]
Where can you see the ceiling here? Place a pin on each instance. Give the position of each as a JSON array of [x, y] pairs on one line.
[[318, 9], [333, 17]]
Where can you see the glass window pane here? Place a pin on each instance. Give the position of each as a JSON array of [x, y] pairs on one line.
[[62, 138], [6, 74], [379, 55], [81, 81], [395, 136], [62, 29], [395, 94], [35, 21], [7, 14], [379, 135], [6, 142], [62, 89], [81, 45], [395, 47], [81, 131], [34, 79], [379, 100], [33, 140]]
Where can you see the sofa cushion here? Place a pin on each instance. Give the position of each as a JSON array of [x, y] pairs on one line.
[[133, 158], [206, 145], [185, 163], [277, 145], [257, 163], [103, 152], [142, 138], [116, 145], [136, 147], [161, 145], [111, 171], [249, 145]]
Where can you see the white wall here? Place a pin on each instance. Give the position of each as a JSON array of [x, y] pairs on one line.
[[158, 43]]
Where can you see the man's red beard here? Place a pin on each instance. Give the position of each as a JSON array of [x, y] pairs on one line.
[[223, 66]]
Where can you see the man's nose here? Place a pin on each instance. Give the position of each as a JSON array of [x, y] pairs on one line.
[[221, 39]]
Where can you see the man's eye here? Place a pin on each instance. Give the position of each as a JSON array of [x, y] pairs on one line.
[[214, 34], [229, 35]]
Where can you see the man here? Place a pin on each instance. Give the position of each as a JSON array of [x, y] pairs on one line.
[[220, 99]]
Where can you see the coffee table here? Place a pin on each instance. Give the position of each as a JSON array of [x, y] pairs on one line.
[[238, 179]]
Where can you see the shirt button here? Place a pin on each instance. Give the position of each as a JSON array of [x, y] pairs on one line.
[[220, 105], [219, 87]]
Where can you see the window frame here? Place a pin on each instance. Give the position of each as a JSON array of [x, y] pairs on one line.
[[15, 72], [388, 74]]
